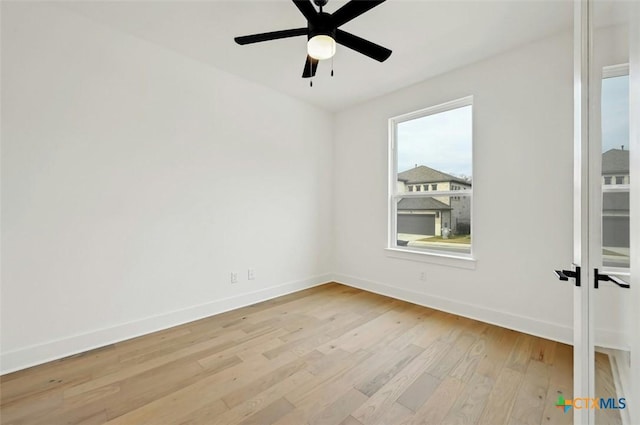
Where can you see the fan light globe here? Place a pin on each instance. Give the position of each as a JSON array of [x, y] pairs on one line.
[[321, 47]]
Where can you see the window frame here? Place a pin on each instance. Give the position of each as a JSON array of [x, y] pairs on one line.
[[456, 259]]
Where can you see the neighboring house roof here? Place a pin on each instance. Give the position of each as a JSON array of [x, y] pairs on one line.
[[424, 174], [615, 161], [421, 204]]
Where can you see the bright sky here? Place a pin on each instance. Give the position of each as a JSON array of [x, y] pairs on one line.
[[440, 141], [615, 113]]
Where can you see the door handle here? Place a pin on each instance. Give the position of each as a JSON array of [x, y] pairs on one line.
[[606, 278], [566, 274]]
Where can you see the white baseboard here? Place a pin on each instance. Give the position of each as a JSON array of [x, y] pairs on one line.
[[529, 325], [612, 339], [53, 350]]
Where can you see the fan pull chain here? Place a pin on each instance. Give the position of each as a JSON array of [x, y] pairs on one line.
[[332, 66], [310, 83]]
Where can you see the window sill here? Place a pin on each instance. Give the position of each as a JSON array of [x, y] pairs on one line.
[[460, 261]]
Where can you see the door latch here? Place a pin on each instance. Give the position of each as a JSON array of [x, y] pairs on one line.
[[566, 274], [606, 278]]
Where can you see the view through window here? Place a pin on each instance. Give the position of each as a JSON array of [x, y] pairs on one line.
[[431, 179], [615, 169]]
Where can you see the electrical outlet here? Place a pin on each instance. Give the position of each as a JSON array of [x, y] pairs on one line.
[[251, 274], [423, 276], [234, 277]]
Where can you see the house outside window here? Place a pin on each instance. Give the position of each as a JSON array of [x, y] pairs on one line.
[[432, 148], [616, 224]]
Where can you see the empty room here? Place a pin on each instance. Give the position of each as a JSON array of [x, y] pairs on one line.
[[335, 212]]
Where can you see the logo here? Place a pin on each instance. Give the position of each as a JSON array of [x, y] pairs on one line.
[[563, 404], [590, 403]]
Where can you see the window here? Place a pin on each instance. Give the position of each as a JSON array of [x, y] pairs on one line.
[[615, 159], [434, 144], [418, 188]]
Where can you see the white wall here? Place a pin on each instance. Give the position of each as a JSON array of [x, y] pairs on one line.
[[522, 182], [134, 180]]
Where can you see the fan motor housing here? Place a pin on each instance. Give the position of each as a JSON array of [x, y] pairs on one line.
[[322, 25]]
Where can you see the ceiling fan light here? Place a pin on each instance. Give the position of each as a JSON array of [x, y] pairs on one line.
[[321, 47]]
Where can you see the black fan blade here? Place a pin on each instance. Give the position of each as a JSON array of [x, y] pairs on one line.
[[310, 67], [266, 36], [363, 46], [352, 10], [307, 9]]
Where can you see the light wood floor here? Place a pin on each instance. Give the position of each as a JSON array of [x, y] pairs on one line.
[[329, 355]]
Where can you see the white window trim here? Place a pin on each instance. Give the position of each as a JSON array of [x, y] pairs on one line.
[[462, 260]]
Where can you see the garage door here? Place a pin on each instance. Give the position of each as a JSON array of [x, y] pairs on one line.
[[417, 224], [615, 231]]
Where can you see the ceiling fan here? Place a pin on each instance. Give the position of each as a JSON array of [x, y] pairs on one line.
[[322, 33]]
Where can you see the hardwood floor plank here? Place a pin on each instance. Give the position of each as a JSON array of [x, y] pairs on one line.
[[39, 405], [502, 397], [468, 364], [326, 355], [371, 384], [136, 369], [500, 343], [395, 414], [471, 402], [366, 335], [551, 414], [383, 399], [340, 409], [300, 346], [319, 389], [454, 355], [267, 380], [205, 415], [328, 362], [419, 392], [521, 353], [560, 383], [544, 350], [168, 409], [265, 398], [270, 414], [296, 417], [438, 405], [529, 403], [350, 420], [415, 333]]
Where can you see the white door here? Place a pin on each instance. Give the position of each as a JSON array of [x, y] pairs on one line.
[[607, 213]]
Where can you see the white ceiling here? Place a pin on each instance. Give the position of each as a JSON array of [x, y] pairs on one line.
[[427, 38]]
